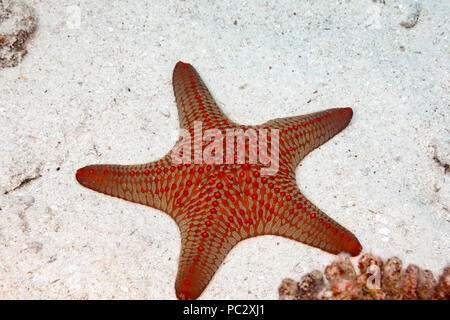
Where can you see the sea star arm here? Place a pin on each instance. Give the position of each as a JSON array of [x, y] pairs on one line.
[[302, 134], [149, 184], [202, 253], [300, 220], [194, 101]]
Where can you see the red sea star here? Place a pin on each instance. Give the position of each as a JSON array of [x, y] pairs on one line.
[[218, 205]]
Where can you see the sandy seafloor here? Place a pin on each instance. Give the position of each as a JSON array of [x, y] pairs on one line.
[[98, 90]]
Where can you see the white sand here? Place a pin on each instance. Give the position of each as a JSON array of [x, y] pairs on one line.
[[100, 92]]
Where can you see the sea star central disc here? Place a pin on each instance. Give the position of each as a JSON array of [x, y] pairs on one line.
[[216, 204]]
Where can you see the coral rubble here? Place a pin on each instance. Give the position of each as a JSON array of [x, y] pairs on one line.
[[376, 280], [17, 25]]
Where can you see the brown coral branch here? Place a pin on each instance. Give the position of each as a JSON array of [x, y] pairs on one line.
[[376, 280]]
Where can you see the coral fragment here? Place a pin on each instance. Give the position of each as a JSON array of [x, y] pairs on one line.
[[17, 24], [376, 281]]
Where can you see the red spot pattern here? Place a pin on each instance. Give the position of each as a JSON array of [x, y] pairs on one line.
[[216, 206]]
